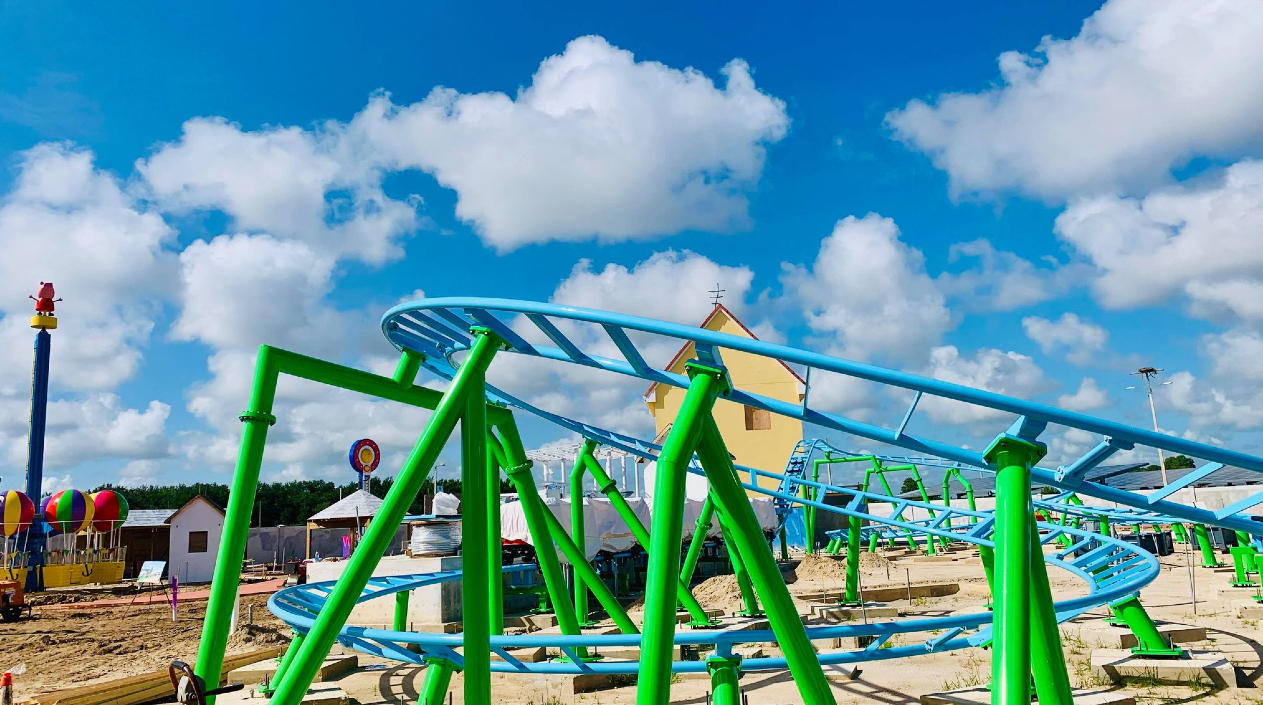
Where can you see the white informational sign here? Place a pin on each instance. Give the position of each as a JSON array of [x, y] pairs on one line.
[[150, 573]]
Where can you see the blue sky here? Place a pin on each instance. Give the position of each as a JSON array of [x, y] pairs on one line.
[[1035, 199]]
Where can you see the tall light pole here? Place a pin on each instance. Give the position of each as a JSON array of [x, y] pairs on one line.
[[1149, 373]]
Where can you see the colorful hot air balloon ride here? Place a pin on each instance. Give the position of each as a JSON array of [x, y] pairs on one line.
[[17, 511], [68, 511], [110, 510]]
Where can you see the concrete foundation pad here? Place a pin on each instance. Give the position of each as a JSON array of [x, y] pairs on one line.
[[565, 689], [540, 621], [1206, 666], [837, 672], [837, 613], [317, 694], [979, 695], [1250, 610], [332, 667], [1122, 637], [683, 617], [525, 654], [745, 623]]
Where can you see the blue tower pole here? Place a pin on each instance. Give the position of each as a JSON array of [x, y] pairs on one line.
[[35, 459]]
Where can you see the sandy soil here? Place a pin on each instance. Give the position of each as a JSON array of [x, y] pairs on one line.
[[69, 648], [74, 647]]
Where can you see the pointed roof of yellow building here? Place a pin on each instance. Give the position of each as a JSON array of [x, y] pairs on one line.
[[719, 308]]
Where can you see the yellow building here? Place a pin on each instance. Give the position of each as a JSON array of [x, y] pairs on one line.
[[756, 438]]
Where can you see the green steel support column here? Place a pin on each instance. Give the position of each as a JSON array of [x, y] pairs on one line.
[[1011, 641], [232, 543], [408, 482], [438, 676], [605, 485], [724, 674], [1180, 533], [518, 469], [290, 650], [987, 555], [578, 532], [809, 511], [734, 507], [699, 538], [1048, 661], [401, 610], [584, 573], [495, 545], [739, 570], [1243, 565], [852, 596], [407, 368], [1150, 641], [656, 648], [1104, 524], [784, 546], [872, 543], [1208, 551], [476, 576]]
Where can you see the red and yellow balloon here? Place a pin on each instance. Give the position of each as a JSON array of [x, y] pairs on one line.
[[110, 510], [17, 511]]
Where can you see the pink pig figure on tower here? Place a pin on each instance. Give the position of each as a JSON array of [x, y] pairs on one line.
[[44, 304]]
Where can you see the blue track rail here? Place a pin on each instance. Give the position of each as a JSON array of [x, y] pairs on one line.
[[1109, 568]]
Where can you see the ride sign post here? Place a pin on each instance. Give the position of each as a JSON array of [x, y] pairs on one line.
[[364, 457]]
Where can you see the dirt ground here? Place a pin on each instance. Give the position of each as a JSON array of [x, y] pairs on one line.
[[65, 648], [68, 648]]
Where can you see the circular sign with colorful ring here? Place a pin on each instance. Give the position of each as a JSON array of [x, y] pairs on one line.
[[365, 455]]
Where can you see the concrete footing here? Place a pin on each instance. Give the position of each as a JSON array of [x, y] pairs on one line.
[[318, 694], [979, 695], [330, 668], [1123, 638], [1210, 667], [565, 689], [837, 613]]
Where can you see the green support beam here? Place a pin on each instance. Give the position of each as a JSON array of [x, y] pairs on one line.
[[1011, 659], [1150, 641], [734, 506], [586, 574], [401, 610], [605, 485], [476, 576], [438, 676], [700, 532], [724, 675], [739, 570], [657, 642], [852, 596], [453, 404], [518, 469], [579, 534], [495, 541], [1048, 661], [1208, 552], [1243, 565]]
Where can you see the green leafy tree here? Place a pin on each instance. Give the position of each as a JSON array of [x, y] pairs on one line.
[[1180, 462], [909, 485]]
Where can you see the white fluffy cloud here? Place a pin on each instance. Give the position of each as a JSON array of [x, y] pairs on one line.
[[1079, 339], [994, 370], [241, 291], [1003, 281], [598, 145], [1235, 354], [71, 224], [318, 186], [869, 292], [1212, 406], [67, 222], [1140, 90], [1089, 396], [1201, 241]]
